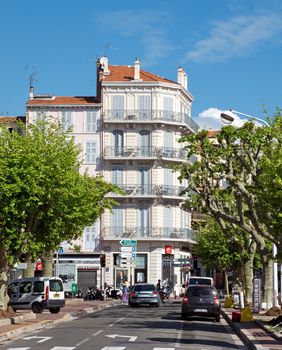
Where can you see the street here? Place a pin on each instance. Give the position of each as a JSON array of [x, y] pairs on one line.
[[125, 328]]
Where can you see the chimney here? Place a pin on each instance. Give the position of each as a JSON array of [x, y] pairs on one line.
[[182, 78], [31, 92], [137, 70]]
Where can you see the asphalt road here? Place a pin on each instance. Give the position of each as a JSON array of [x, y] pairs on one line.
[[125, 328]]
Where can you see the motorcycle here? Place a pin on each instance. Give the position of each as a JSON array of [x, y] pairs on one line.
[[79, 294], [93, 293]]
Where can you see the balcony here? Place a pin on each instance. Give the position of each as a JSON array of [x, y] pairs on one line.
[[137, 190], [149, 116], [148, 233], [136, 152]]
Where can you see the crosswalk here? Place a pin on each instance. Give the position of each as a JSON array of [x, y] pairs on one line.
[[104, 348]]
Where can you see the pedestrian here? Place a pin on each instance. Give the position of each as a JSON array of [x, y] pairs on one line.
[[160, 290]]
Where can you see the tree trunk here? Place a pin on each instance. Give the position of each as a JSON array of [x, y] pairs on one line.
[[47, 261], [4, 268], [29, 271], [267, 285], [248, 280]]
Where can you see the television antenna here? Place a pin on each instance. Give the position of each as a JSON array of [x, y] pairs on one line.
[[31, 70], [107, 47]]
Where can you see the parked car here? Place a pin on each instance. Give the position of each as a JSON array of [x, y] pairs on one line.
[[144, 293], [201, 300], [37, 293]]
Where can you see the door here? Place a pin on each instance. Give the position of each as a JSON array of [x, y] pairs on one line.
[[86, 279], [118, 106], [144, 106]]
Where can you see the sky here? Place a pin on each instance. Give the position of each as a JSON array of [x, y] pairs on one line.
[[230, 49]]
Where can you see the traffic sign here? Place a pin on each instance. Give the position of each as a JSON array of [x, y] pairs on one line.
[[128, 242], [126, 255], [126, 249]]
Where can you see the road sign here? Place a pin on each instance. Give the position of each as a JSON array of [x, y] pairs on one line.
[[126, 255], [128, 242], [133, 256], [126, 249]]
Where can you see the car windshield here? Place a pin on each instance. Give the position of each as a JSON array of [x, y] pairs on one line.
[[144, 288], [200, 281], [195, 291]]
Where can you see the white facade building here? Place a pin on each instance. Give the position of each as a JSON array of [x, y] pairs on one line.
[[129, 134]]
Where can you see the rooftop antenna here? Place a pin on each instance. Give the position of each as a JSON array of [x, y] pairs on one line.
[[31, 72], [107, 47]]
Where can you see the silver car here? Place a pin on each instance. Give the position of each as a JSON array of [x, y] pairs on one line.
[[144, 293]]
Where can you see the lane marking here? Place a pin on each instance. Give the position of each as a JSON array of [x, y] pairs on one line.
[[112, 324], [43, 339], [114, 348], [82, 341], [18, 348], [63, 348], [163, 348], [98, 332], [131, 338], [179, 336]]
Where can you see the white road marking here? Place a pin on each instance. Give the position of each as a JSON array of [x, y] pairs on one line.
[[179, 336], [18, 348], [98, 332], [163, 348], [120, 319], [43, 339], [82, 341], [131, 338], [111, 325], [63, 348], [113, 348]]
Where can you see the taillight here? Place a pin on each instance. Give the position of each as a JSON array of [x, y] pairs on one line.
[[133, 294], [216, 300], [47, 293], [155, 293], [185, 300]]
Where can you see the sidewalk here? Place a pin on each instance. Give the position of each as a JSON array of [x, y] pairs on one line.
[[255, 334]]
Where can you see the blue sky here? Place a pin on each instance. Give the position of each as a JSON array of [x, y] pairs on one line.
[[230, 49]]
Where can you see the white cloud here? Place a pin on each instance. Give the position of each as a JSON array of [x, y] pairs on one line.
[[210, 119], [239, 36]]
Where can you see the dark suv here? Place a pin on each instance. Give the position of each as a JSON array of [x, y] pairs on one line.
[[200, 300]]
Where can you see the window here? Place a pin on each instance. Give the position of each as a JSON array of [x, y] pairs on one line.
[[91, 121], [38, 287], [89, 237], [144, 106], [25, 287], [67, 120], [118, 106], [168, 107], [90, 152], [56, 286]]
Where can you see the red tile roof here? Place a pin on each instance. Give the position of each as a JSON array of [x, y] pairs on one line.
[[212, 133], [63, 100], [10, 119], [126, 73]]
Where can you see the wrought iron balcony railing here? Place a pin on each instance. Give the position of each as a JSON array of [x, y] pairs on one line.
[[144, 152], [112, 115], [144, 233], [150, 190]]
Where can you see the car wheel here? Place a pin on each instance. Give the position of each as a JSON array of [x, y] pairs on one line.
[[157, 305], [217, 318], [55, 310], [37, 308]]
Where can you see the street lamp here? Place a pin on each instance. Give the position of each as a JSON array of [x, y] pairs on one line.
[[228, 119]]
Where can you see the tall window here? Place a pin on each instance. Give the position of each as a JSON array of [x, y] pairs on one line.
[[118, 106], [144, 142], [143, 222], [144, 178], [167, 221], [144, 106], [118, 142], [89, 236], [117, 175], [168, 107], [67, 119], [91, 121], [117, 222], [90, 152]]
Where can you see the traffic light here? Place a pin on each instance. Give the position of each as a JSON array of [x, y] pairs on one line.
[[103, 260]]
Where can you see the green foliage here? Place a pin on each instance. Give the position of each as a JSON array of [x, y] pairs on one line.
[[237, 178], [219, 249], [44, 200]]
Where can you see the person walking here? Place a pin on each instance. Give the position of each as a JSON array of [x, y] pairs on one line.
[[160, 290]]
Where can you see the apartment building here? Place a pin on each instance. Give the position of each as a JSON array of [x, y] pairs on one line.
[[129, 134]]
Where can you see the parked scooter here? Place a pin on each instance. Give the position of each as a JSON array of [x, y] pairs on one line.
[[93, 293], [79, 294]]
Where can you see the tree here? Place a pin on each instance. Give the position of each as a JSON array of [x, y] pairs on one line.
[[229, 178], [44, 200]]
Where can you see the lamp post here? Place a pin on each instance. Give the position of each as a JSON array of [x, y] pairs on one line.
[[228, 119]]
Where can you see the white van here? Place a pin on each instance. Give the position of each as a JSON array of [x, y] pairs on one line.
[[37, 293]]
